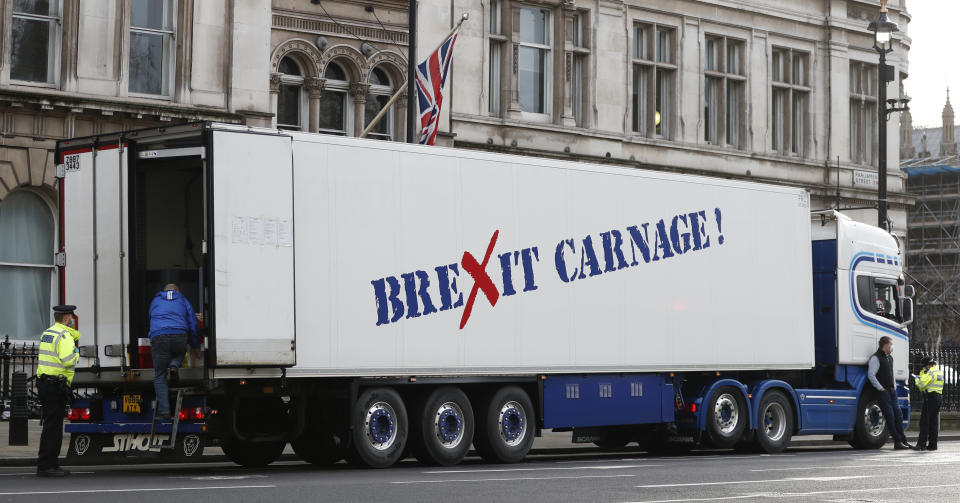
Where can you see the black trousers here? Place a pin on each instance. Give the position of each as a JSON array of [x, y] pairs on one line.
[[930, 420], [54, 402]]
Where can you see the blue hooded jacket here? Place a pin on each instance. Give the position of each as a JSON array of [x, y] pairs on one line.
[[171, 313]]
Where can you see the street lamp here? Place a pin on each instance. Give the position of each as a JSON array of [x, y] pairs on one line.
[[883, 29]]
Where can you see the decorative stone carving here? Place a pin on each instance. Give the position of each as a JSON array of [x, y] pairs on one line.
[[358, 91], [516, 58], [314, 86], [305, 49], [350, 58], [396, 65], [275, 82]]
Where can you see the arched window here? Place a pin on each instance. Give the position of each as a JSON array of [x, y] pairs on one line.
[[290, 101], [334, 105], [381, 90], [26, 265]]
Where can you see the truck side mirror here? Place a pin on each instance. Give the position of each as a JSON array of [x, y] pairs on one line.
[[907, 310], [909, 291]]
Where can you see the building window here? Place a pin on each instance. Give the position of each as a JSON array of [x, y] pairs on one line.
[[496, 57], [790, 100], [578, 65], [334, 105], [34, 40], [535, 61], [151, 46], [290, 102], [26, 265], [724, 84], [377, 98], [654, 68], [863, 111]]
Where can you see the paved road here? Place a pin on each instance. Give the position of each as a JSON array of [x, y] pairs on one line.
[[806, 474]]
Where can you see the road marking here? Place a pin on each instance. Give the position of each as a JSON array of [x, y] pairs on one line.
[[507, 479], [495, 470], [797, 494], [135, 490], [220, 477], [34, 473], [733, 482]]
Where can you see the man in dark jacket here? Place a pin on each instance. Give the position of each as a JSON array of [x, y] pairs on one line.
[[171, 320], [880, 374]]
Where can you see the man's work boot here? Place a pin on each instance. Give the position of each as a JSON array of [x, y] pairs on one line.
[[52, 472]]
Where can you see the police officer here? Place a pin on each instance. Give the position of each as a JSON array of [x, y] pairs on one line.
[[58, 355], [930, 384]]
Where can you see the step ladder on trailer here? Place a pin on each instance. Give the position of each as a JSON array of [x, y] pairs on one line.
[[176, 423]]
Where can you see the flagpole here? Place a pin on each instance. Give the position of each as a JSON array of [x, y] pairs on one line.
[[411, 71], [411, 101]]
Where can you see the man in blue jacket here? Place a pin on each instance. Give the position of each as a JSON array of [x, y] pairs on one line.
[[171, 320]]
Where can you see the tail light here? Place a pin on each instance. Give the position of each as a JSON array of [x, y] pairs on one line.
[[690, 407], [192, 414], [79, 414]]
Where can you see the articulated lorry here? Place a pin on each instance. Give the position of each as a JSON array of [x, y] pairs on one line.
[[371, 300]]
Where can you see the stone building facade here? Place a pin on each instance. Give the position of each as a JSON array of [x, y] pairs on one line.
[[765, 90], [72, 68]]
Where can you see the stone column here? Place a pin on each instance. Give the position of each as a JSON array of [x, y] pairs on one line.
[[400, 115], [358, 91], [314, 87], [274, 95]]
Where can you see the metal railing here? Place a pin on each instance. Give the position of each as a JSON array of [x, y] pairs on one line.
[[18, 358], [948, 359]]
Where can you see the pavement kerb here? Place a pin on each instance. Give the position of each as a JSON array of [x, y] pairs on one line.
[[220, 458]]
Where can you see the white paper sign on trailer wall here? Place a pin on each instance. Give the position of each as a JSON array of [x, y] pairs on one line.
[[253, 250], [445, 261]]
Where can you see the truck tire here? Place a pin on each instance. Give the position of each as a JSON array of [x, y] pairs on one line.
[[726, 417], [775, 422], [318, 449], [379, 428], [869, 427], [505, 429], [252, 454], [443, 427]]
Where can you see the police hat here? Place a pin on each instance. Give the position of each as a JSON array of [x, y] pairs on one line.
[[66, 308], [927, 360]]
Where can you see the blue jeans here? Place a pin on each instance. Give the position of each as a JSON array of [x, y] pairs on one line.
[[891, 414], [167, 351]]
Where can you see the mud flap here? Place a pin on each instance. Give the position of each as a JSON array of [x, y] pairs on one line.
[[100, 447]]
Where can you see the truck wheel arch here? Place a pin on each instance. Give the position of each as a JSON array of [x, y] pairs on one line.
[[760, 388], [708, 392]]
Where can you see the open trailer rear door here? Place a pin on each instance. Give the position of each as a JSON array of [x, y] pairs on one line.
[[252, 220]]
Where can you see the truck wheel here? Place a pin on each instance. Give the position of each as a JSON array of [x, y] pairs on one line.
[[252, 454], [444, 427], [318, 448], [870, 428], [774, 422], [726, 417], [378, 428], [505, 430]]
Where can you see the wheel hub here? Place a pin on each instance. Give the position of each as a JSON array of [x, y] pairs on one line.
[[873, 420], [774, 421], [513, 425], [726, 413], [380, 425], [448, 425]]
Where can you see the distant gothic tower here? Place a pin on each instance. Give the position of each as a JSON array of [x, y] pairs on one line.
[[906, 136], [948, 145]]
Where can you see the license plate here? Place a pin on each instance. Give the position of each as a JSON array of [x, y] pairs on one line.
[[132, 404]]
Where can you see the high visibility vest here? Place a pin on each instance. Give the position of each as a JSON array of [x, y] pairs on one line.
[[58, 354], [931, 380]]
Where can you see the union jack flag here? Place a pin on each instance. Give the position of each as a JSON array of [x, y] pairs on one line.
[[431, 76]]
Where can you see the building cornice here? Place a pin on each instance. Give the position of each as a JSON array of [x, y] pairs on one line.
[[53, 99], [302, 22]]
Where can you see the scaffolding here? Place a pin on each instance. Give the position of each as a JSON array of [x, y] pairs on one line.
[[933, 248]]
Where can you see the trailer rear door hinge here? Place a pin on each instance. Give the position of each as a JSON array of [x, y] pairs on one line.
[[60, 259]]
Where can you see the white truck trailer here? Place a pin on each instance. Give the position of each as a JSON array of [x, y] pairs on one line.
[[367, 299]]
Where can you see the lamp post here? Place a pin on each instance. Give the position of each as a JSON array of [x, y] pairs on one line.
[[883, 30]]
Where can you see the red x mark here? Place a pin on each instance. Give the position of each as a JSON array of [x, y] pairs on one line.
[[481, 279]]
